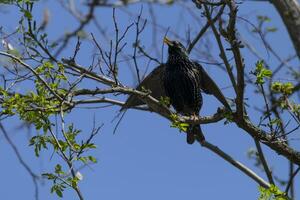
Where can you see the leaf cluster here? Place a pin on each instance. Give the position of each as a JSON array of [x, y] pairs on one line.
[[272, 193], [261, 72], [178, 124], [283, 88]]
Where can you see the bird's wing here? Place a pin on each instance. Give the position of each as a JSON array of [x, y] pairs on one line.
[[210, 87], [153, 82]]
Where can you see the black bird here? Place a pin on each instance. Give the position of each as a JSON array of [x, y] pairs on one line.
[[182, 85], [181, 80]]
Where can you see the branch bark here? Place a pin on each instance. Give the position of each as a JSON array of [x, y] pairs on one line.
[[289, 11], [236, 164], [277, 145]]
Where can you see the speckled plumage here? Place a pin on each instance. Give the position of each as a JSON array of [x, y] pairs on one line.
[[192, 99], [182, 85]]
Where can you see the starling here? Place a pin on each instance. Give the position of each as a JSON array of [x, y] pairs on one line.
[[182, 85], [180, 79]]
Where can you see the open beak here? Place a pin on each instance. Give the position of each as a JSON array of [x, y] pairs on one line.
[[168, 41]]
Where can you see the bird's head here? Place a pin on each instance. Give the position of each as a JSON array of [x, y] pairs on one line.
[[176, 49]]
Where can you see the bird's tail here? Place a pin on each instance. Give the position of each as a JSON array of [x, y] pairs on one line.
[[193, 132]]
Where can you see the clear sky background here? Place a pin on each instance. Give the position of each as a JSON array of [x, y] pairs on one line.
[[146, 159]]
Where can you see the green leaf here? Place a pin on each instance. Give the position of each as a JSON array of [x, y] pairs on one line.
[[287, 88], [58, 189], [263, 18], [28, 14], [92, 159], [74, 182], [92, 146], [284, 88], [84, 159], [261, 72], [272, 29], [49, 176], [177, 124], [39, 142], [272, 193], [267, 73], [77, 147], [164, 101], [58, 169], [276, 87], [59, 193]]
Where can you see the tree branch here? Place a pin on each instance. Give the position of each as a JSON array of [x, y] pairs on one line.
[[264, 162], [23, 163], [277, 145], [235, 163], [33, 71], [289, 11]]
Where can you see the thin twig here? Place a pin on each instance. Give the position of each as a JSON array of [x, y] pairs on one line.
[[33, 71], [83, 23], [291, 179], [147, 55], [264, 162], [222, 49], [235, 47], [68, 161], [118, 49], [136, 43], [204, 29], [235, 163], [268, 109], [34, 177]]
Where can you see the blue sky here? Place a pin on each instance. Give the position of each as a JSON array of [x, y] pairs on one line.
[[146, 159]]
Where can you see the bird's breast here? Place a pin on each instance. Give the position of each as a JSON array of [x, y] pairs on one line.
[[182, 87]]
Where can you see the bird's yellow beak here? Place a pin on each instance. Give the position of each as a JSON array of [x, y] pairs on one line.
[[168, 41]]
